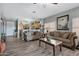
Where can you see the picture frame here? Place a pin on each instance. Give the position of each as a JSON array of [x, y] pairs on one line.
[[63, 22]]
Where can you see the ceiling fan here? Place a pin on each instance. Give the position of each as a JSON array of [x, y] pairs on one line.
[[44, 5]]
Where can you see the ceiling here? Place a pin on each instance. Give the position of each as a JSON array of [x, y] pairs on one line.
[[37, 10]]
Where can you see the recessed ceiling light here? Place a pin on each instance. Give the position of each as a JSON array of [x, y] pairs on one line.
[[55, 3], [33, 11], [34, 3]]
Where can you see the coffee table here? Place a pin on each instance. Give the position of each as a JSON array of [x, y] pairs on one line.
[[51, 42]]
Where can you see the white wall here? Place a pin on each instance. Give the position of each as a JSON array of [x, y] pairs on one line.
[[75, 27], [73, 13], [50, 26]]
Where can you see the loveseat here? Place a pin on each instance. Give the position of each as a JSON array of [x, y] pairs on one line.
[[68, 38]]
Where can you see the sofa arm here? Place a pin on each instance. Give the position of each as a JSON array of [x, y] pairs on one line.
[[72, 41], [75, 37]]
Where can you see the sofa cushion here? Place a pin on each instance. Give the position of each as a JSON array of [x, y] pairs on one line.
[[56, 34], [61, 39], [61, 34]]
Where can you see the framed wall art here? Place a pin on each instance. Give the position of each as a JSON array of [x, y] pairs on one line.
[[62, 22]]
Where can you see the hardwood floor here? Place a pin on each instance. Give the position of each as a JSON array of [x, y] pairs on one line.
[[16, 47]]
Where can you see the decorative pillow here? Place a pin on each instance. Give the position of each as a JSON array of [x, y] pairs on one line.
[[71, 34], [65, 36]]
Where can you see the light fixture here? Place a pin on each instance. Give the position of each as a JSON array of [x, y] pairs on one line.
[[34, 3], [55, 3], [33, 11]]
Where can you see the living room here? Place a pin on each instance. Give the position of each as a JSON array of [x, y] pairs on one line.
[[32, 29]]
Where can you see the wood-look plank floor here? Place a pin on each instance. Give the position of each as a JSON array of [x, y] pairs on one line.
[[16, 47]]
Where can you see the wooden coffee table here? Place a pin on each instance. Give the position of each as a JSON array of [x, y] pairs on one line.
[[51, 42]]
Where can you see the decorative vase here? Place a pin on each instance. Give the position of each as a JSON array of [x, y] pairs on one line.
[[2, 47]]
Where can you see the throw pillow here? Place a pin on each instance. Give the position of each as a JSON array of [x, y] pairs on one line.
[[71, 34], [65, 36]]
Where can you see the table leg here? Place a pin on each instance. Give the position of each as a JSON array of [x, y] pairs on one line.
[[60, 47], [53, 50], [39, 43], [45, 46]]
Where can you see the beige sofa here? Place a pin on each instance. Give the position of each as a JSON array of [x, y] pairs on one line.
[[68, 38]]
